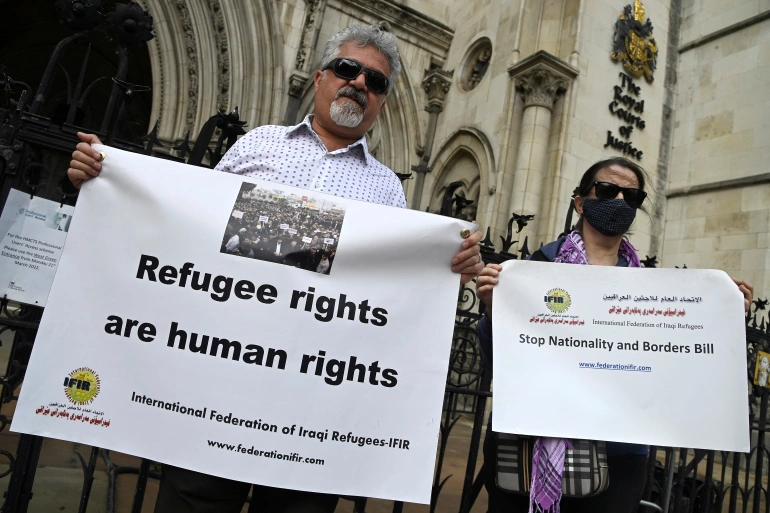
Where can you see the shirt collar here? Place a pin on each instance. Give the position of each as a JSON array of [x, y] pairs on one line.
[[307, 126]]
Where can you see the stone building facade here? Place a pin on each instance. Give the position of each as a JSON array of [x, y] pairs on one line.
[[509, 101]]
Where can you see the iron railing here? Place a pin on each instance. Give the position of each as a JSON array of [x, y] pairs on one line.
[[681, 480]]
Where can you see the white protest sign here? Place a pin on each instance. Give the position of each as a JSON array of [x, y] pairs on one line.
[[307, 240], [263, 219], [328, 241], [609, 353], [284, 226], [292, 231], [246, 368], [237, 214], [33, 233]]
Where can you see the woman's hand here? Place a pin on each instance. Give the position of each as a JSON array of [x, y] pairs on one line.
[[486, 282], [747, 289]]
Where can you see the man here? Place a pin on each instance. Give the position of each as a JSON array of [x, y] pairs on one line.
[[323, 265], [309, 259], [61, 225], [265, 250], [327, 152], [245, 250], [234, 243], [278, 250]]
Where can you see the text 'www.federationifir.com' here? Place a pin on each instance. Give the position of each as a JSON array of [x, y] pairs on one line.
[[615, 366], [293, 457]]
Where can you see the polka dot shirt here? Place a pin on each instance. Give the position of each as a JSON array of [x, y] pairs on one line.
[[296, 156]]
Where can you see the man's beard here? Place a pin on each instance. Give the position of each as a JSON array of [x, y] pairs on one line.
[[349, 113]]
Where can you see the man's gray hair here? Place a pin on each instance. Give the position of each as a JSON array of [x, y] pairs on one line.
[[366, 35]]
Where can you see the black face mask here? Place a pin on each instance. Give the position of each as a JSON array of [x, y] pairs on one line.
[[609, 217]]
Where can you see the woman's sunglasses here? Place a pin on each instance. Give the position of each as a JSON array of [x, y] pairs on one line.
[[349, 69], [609, 190]]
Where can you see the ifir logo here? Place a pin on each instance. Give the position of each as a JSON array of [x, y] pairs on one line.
[[557, 300], [82, 386]]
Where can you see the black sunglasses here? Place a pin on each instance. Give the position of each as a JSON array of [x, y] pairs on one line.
[[609, 190], [349, 69]]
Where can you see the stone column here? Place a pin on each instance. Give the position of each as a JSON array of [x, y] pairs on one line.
[[297, 82], [539, 80], [314, 13], [436, 85]]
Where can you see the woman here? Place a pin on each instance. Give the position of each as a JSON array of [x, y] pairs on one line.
[[610, 193]]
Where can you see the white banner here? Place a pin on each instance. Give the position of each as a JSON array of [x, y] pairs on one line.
[[237, 214], [649, 356], [178, 337], [33, 233]]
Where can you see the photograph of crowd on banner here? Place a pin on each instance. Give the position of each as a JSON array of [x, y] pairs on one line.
[[284, 228]]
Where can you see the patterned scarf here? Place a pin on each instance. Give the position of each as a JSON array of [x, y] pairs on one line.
[[574, 252], [547, 470], [548, 453]]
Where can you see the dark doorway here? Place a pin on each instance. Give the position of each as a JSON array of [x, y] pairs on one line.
[[29, 32]]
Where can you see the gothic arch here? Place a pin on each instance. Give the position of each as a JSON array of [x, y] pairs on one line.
[[168, 54], [256, 62], [205, 57], [467, 157], [306, 104], [401, 125]]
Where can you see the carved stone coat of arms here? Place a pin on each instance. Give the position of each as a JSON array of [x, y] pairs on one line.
[[634, 45]]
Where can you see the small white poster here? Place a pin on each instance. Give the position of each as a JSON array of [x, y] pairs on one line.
[[264, 219], [237, 214], [610, 353], [307, 240], [329, 241], [292, 231], [33, 231], [284, 226]]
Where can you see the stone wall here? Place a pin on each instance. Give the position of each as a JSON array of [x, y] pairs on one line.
[[718, 212], [541, 148], [511, 100], [591, 117], [481, 108]]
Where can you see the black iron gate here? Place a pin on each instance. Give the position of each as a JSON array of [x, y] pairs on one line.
[[35, 143]]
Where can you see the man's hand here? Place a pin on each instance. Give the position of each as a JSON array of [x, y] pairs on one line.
[[85, 163], [486, 283], [747, 289], [468, 261]]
